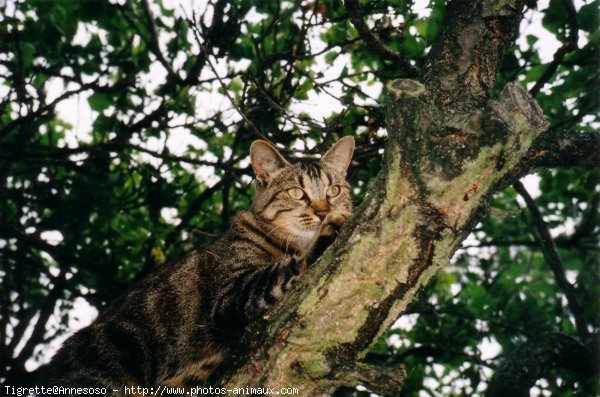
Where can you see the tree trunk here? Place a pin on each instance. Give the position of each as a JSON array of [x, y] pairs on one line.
[[449, 148]]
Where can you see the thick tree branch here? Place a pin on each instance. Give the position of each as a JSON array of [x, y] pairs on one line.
[[553, 259], [384, 380], [462, 64], [565, 149]]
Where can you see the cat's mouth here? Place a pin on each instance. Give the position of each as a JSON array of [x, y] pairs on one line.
[[303, 233]]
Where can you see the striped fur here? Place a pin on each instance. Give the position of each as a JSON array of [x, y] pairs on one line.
[[177, 326]]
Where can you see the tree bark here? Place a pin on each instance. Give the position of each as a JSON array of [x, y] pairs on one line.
[[566, 149], [445, 156]]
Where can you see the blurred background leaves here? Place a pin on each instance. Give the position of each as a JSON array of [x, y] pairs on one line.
[[124, 131]]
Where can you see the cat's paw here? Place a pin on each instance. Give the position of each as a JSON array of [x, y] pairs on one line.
[[332, 224], [329, 230]]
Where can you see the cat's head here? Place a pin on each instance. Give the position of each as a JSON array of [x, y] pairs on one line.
[[301, 197]]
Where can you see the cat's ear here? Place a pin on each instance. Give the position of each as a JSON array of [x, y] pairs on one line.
[[266, 160], [340, 154]]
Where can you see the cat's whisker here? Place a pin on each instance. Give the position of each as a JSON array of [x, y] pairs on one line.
[[279, 227], [287, 245]]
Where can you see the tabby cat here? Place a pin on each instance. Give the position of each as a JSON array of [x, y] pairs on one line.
[[176, 326]]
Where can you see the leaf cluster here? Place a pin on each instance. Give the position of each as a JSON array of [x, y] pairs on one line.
[[124, 133]]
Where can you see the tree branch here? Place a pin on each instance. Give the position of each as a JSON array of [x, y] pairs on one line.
[[560, 242], [204, 50], [61, 256], [413, 219], [192, 210], [375, 43], [462, 64], [553, 259], [565, 149], [384, 380], [44, 112], [569, 46], [154, 44], [46, 310], [44, 153], [532, 360]]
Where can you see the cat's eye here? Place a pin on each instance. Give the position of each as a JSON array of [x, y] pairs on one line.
[[333, 191], [296, 193]]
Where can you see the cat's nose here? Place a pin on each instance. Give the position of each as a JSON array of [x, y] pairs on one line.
[[321, 208], [322, 214]]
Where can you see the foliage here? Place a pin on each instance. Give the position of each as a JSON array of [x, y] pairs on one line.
[[86, 210]]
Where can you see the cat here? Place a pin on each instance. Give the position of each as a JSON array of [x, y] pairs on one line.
[[177, 326]]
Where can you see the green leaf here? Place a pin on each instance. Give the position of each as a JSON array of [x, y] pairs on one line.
[[555, 18], [535, 73], [587, 17], [27, 53], [99, 101]]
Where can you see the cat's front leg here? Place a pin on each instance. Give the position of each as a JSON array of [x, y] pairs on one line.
[[247, 292]]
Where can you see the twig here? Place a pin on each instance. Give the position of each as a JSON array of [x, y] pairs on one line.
[[375, 43], [199, 39], [192, 211], [589, 221], [426, 351], [553, 259], [46, 108], [62, 256], [170, 157], [280, 109], [330, 47], [569, 46], [153, 40], [562, 243]]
